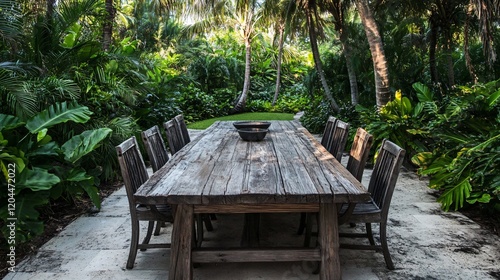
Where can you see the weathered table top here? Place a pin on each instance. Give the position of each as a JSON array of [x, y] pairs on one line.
[[289, 166]]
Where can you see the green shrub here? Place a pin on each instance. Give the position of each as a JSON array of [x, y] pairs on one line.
[[465, 159], [37, 168]]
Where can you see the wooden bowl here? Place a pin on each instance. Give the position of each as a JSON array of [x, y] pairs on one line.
[[252, 133]]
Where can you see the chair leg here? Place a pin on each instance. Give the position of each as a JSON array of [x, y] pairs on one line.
[[309, 224], [302, 224], [158, 227], [208, 222], [134, 241], [385, 247], [151, 225], [199, 229], [369, 233]]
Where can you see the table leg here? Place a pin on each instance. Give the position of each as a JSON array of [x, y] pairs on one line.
[[329, 242], [181, 267], [251, 230]]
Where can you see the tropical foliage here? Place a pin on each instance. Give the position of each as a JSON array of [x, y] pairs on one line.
[[465, 132], [91, 73], [44, 167]]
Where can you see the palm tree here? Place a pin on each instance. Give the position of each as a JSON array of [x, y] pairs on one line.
[[380, 70], [107, 29], [312, 20], [277, 11], [337, 8], [239, 14]]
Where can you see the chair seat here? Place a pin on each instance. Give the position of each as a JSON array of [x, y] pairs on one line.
[[363, 212]]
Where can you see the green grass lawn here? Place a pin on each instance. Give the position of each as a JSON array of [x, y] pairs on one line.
[[243, 117]]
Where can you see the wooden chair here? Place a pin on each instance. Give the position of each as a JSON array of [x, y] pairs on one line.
[[334, 140], [175, 143], [358, 156], [157, 153], [181, 126], [339, 139], [174, 136], [381, 186], [359, 153], [134, 174], [326, 139], [155, 147]]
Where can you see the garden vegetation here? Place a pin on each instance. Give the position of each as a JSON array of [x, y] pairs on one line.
[[78, 77]]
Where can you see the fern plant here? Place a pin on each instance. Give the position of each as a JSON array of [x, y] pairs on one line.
[[466, 157]]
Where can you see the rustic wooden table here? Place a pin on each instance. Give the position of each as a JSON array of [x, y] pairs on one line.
[[218, 172]]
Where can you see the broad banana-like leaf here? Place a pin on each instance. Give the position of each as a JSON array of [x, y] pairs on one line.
[[82, 144], [37, 179], [58, 113], [9, 122], [49, 149]]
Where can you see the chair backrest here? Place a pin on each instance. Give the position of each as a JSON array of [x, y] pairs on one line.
[[132, 166], [327, 134], [358, 155], [181, 126], [155, 147], [174, 137], [385, 174], [339, 139]]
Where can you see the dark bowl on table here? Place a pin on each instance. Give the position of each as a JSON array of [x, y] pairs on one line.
[[252, 133], [252, 124]]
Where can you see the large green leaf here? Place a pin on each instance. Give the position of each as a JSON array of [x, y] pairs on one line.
[[82, 144], [9, 122], [37, 179], [58, 113], [424, 94], [494, 97]]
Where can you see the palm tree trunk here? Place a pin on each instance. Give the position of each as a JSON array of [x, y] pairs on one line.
[[280, 55], [242, 99], [432, 50], [449, 62], [468, 60], [317, 60], [383, 94], [107, 31], [353, 80]]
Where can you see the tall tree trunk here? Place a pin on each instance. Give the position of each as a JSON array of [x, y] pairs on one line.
[[353, 80], [432, 49], [468, 60], [278, 66], [383, 94], [449, 61], [107, 31], [242, 99], [317, 60]]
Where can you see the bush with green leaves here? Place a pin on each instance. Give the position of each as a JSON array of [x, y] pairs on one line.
[[197, 104], [45, 168], [401, 122], [465, 158]]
